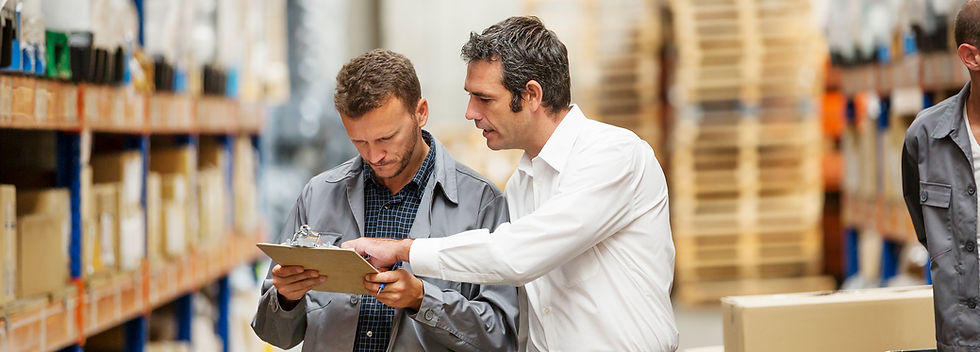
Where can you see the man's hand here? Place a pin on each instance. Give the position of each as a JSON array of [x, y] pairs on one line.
[[402, 289], [293, 282], [380, 252]]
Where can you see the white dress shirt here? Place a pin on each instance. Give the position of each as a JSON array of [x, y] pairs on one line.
[[589, 241]]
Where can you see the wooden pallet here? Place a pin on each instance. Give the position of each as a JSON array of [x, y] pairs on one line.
[[747, 214], [749, 255], [696, 292], [746, 50]]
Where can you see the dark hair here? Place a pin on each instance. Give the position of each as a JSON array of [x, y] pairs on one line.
[[527, 51], [967, 27], [367, 81]]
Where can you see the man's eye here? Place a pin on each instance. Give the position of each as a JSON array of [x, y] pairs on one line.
[[485, 100]]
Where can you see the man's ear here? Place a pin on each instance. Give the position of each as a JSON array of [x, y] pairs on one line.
[[422, 112], [970, 56], [533, 95]]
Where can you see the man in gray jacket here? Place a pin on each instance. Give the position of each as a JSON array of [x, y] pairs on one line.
[[404, 184], [940, 171]]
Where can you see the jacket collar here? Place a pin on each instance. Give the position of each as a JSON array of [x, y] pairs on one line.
[[952, 117]]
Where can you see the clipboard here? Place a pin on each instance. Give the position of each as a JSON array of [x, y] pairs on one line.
[[344, 268]]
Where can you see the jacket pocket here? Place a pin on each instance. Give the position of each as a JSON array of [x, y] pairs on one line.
[[935, 194]]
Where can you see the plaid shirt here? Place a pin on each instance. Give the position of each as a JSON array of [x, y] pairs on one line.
[[387, 215]]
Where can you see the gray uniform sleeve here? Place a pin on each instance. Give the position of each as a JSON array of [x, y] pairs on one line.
[[910, 185], [272, 323], [477, 318]]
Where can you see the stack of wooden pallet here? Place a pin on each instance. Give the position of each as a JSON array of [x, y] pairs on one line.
[[614, 57], [746, 179]]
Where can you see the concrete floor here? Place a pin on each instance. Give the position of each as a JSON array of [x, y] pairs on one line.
[[698, 326]]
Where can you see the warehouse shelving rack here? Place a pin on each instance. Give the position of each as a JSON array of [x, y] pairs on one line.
[[90, 307], [878, 98]]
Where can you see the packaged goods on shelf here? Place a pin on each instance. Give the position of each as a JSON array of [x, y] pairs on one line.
[[123, 167], [154, 217], [8, 242], [43, 230]]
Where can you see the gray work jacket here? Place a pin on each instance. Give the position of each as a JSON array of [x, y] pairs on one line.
[[453, 316], [941, 195]]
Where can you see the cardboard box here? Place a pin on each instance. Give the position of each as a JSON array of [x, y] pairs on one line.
[[42, 253], [8, 243], [125, 168], [43, 201], [178, 160], [90, 247], [860, 320], [245, 189], [154, 214], [107, 210], [88, 199], [212, 215], [131, 239], [174, 229], [174, 187]]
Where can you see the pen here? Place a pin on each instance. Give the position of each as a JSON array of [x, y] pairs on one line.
[[393, 267]]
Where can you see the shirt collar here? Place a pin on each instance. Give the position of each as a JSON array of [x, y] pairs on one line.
[[559, 145]]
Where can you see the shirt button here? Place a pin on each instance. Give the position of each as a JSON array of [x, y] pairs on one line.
[[969, 246], [429, 315], [971, 302], [354, 299], [971, 190], [369, 334], [923, 196], [547, 310]]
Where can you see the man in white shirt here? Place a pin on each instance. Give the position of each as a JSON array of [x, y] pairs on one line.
[[589, 240]]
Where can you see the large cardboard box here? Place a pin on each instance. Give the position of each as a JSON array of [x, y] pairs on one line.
[[125, 168], [42, 253], [8, 243], [860, 320]]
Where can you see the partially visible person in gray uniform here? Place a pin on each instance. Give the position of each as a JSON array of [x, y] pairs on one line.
[[940, 171]]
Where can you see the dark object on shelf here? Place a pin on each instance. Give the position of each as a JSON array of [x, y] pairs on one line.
[[9, 33], [163, 75], [80, 56], [214, 81], [118, 68]]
